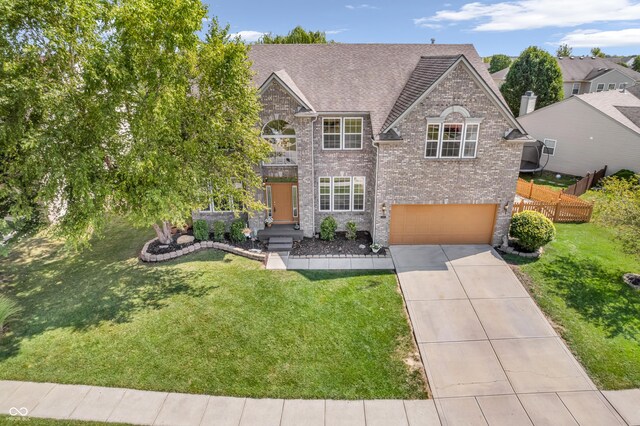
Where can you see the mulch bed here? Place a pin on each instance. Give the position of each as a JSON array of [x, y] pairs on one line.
[[157, 247], [340, 245]]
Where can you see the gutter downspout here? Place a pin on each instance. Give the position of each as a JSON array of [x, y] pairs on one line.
[[313, 179], [375, 192]]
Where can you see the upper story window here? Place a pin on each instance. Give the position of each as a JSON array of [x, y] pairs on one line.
[[611, 86], [575, 90], [342, 133], [452, 138], [550, 146], [283, 140], [600, 87]]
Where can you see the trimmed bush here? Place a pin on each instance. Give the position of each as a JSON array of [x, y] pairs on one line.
[[328, 228], [351, 230], [8, 308], [625, 174], [201, 230], [219, 229], [532, 230], [235, 233]]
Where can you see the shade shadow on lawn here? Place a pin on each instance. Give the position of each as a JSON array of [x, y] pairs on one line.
[[599, 295]]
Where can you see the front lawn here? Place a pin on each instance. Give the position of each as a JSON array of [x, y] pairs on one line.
[[549, 179], [207, 323], [578, 283]]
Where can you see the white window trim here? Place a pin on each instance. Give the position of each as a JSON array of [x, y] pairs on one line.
[[574, 87], [342, 133], [333, 207], [554, 147], [611, 88], [598, 85], [320, 194], [441, 123], [426, 139], [364, 193], [351, 193], [464, 141], [342, 138]]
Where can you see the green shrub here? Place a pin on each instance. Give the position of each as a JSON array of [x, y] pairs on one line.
[[532, 230], [328, 228], [8, 308], [351, 230], [625, 174], [201, 230], [236, 232], [219, 229], [618, 207]]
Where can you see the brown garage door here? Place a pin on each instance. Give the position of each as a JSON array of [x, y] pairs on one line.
[[442, 223]]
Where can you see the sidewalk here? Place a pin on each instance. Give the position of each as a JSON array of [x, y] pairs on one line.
[[92, 403], [283, 260]]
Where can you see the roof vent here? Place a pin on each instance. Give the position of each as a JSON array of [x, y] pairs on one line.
[[560, 57], [570, 57], [593, 57], [582, 57]]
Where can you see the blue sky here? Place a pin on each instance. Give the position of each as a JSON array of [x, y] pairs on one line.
[[492, 26]]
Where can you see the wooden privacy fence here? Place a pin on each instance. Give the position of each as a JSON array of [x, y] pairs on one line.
[[586, 183], [556, 205]]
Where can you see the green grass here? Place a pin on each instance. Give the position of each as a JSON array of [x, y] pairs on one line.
[[35, 421], [578, 283], [549, 179], [207, 323]]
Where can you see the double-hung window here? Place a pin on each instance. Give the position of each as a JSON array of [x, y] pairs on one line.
[[600, 87], [341, 193], [342, 133], [575, 90], [452, 140], [612, 86], [550, 147]]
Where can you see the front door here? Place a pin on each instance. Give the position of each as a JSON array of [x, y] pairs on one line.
[[282, 202]]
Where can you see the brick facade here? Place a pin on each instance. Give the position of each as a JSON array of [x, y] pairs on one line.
[[406, 177]]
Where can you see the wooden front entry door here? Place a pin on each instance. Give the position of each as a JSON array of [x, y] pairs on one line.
[[282, 202]]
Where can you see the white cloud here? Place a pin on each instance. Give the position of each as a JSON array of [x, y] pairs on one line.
[[591, 38], [338, 31], [248, 36], [361, 6], [530, 14]]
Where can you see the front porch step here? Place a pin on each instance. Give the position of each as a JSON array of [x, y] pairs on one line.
[[280, 244]]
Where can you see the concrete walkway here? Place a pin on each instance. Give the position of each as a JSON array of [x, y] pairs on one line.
[[77, 402], [490, 355], [282, 261]]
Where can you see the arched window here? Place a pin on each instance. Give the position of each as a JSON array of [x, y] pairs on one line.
[[283, 140]]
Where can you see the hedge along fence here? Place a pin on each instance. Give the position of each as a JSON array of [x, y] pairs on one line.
[[556, 205]]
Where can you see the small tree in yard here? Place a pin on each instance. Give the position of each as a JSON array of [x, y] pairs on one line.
[[532, 230], [120, 107], [536, 70], [619, 208]]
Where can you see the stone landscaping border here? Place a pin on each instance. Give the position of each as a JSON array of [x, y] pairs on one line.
[[145, 256], [508, 249]]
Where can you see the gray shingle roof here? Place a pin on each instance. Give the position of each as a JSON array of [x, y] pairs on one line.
[[577, 69], [428, 70], [632, 113], [610, 103], [354, 77], [500, 75]]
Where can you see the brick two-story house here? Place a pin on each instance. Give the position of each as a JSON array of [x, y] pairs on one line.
[[412, 142]]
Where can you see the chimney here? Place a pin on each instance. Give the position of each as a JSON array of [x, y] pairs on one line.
[[527, 103]]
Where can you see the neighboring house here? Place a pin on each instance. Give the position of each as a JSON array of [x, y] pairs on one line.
[[584, 74], [586, 132], [413, 143]]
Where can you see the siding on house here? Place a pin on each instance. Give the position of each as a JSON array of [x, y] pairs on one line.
[[586, 138]]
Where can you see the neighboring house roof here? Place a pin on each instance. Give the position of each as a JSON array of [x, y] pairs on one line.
[[356, 77], [634, 90], [597, 73], [580, 67], [427, 72], [620, 106], [500, 75]]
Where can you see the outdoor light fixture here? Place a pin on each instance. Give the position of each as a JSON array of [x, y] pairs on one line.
[[506, 206], [384, 210]]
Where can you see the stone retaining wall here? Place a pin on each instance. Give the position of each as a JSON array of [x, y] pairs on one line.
[[145, 256]]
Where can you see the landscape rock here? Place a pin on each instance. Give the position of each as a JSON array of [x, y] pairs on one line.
[[185, 239]]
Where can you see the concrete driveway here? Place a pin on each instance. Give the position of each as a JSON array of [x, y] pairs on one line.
[[490, 355]]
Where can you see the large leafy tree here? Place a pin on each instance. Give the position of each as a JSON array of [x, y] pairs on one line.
[[635, 65], [119, 107], [499, 62], [597, 52], [564, 50], [535, 70], [298, 35]]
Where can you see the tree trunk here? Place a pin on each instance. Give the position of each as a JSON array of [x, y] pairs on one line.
[[164, 232]]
